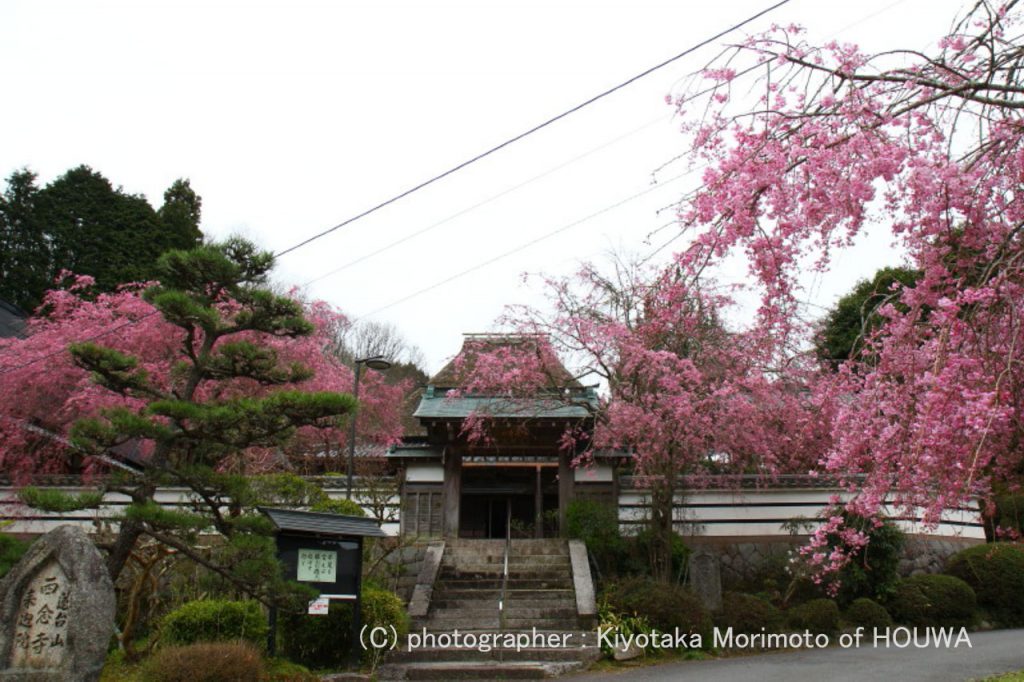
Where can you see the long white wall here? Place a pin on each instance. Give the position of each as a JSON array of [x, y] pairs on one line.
[[32, 522], [704, 513], [765, 512]]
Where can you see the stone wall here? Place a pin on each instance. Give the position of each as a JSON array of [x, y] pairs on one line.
[[747, 559], [752, 559], [929, 555]]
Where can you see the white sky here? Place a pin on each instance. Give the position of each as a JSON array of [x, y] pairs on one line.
[[289, 117]]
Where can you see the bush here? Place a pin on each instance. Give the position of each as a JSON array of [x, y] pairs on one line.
[[216, 620], [318, 641], [636, 556], [816, 616], [382, 608], [1008, 516], [664, 606], [748, 614], [872, 572], [598, 526], [207, 662], [339, 506], [996, 574], [326, 641], [11, 551], [933, 600], [868, 614]]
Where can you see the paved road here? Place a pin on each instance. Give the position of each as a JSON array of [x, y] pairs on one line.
[[991, 653]]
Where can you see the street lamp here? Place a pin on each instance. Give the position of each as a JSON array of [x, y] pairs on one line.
[[376, 362]]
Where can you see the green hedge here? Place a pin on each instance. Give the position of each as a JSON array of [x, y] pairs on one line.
[[216, 620], [664, 606], [326, 641], [339, 506], [996, 574], [816, 616], [933, 600], [868, 614], [748, 614]]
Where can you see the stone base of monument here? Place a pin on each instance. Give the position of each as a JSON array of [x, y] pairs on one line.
[[57, 610]]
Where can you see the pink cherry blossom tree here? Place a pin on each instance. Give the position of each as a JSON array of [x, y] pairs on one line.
[[685, 396], [929, 146], [199, 380]]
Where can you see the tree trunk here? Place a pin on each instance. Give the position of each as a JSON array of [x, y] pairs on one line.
[[127, 536], [662, 500]]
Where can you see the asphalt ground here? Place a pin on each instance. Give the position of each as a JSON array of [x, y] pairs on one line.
[[990, 653]]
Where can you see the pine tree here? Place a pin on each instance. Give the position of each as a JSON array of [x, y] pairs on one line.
[[225, 392]]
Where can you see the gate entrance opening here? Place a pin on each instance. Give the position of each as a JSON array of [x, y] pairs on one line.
[[519, 500]]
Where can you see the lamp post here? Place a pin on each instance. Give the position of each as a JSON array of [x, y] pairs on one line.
[[378, 363]]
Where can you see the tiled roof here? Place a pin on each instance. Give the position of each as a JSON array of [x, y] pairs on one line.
[[452, 375], [318, 523], [416, 451], [442, 407]]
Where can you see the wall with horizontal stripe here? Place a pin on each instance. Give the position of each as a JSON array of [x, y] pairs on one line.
[[706, 513]]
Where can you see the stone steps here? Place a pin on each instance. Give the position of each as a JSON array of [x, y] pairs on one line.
[[513, 584], [475, 573], [445, 593], [539, 596]]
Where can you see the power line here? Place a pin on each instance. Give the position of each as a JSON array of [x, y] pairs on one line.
[[456, 168], [534, 129], [514, 188], [484, 202], [524, 246]]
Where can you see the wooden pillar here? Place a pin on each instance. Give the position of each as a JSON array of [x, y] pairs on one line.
[[565, 491], [538, 506], [452, 494]]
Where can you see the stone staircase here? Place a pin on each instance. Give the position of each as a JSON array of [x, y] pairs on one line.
[[539, 609]]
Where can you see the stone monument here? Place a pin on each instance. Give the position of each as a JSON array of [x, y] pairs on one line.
[[57, 610], [706, 579]]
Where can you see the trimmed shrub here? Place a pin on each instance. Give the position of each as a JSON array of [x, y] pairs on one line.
[[664, 606], [318, 641], [933, 600], [206, 662], [748, 614], [216, 620], [868, 614], [326, 641], [339, 506], [996, 574], [382, 608], [816, 616]]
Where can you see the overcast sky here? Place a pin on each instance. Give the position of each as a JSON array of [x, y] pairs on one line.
[[290, 117]]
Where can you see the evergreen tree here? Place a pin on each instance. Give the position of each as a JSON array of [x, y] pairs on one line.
[[82, 224], [24, 252], [98, 230], [854, 317], [180, 216], [192, 416]]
